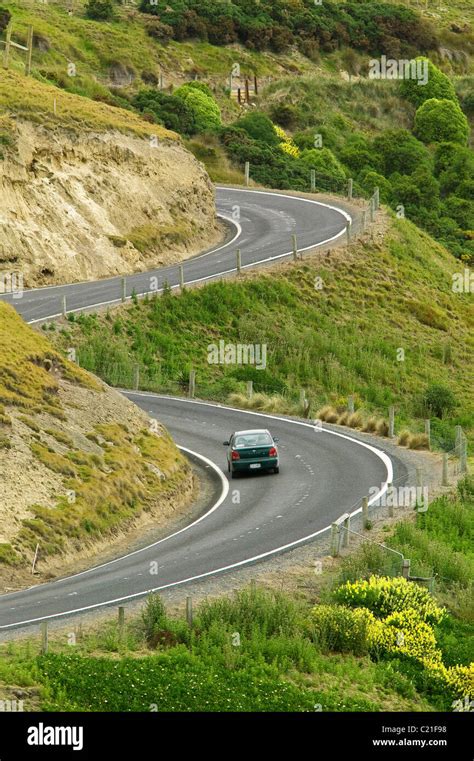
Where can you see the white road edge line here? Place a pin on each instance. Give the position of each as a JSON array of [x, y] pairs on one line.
[[382, 455]]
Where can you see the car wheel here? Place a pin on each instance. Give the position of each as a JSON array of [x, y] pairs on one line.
[[276, 470]]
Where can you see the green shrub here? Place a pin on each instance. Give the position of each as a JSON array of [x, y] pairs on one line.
[[439, 400], [172, 112], [100, 10], [439, 121], [260, 127], [206, 112], [397, 150], [438, 86]]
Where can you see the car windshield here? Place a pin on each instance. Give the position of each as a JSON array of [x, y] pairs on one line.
[[253, 440]]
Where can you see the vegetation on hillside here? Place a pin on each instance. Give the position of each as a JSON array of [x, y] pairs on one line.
[[334, 326], [374, 27]]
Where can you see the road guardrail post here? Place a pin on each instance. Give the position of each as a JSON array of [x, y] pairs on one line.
[[192, 383], [428, 431], [445, 476], [44, 637], [391, 421], [189, 611], [365, 512], [295, 246]]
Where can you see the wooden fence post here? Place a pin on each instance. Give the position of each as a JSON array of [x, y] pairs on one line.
[[295, 247], [445, 476], [428, 432], [463, 459], [391, 421], [6, 53], [390, 499], [334, 540], [406, 568], [192, 383], [239, 261], [189, 611], [350, 188], [121, 623], [44, 637], [30, 51], [365, 512]]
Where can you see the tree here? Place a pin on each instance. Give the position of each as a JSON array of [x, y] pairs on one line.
[[260, 127], [369, 180], [438, 85], [325, 163], [173, 113], [438, 121], [398, 151], [100, 10], [206, 112]]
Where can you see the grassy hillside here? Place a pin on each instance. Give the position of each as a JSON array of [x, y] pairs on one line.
[[42, 103], [71, 476], [333, 325], [350, 639]]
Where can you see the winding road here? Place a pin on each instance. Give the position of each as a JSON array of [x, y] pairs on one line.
[[262, 226], [324, 472]]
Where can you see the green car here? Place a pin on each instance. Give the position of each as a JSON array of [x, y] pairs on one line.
[[252, 451]]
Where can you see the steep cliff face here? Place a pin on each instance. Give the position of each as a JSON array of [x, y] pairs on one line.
[[83, 205]]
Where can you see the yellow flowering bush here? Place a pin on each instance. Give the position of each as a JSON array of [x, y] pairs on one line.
[[404, 632], [461, 680], [384, 595], [390, 616], [286, 143]]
